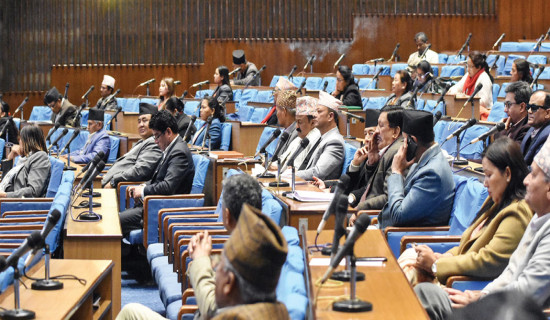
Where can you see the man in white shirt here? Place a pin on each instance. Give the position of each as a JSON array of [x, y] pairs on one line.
[[422, 43]]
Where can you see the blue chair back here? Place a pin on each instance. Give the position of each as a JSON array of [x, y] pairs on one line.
[[56, 173], [244, 112], [442, 57], [349, 152], [297, 81], [113, 153], [508, 66], [259, 114], [40, 113], [331, 83], [508, 46], [496, 89], [452, 71], [544, 47], [226, 136], [500, 63], [237, 94], [201, 93], [367, 83], [132, 105], [314, 83], [192, 108], [2, 145], [376, 103], [469, 197], [545, 75], [264, 137], [386, 69], [274, 81], [201, 168], [264, 96], [150, 101], [537, 59], [248, 95], [396, 67], [360, 69], [526, 46], [364, 102], [454, 59]]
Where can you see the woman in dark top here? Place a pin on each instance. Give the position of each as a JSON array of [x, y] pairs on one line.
[[401, 87], [175, 106], [521, 71], [210, 108], [423, 77], [30, 177], [346, 88], [221, 78], [11, 131]]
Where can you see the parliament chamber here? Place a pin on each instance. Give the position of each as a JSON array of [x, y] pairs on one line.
[[259, 88]]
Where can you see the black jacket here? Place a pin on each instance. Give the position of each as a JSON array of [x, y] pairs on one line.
[[351, 96]]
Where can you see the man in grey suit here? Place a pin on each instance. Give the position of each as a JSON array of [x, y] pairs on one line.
[[424, 196], [328, 157], [529, 268], [248, 70], [140, 162]]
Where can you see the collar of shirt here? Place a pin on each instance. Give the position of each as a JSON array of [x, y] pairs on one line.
[[381, 152], [169, 146], [538, 221], [520, 121], [427, 151]]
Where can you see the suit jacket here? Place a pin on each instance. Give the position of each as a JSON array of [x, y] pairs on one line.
[[112, 105], [174, 173], [293, 134], [202, 278], [99, 141], [32, 180], [375, 176], [515, 132], [327, 161], [66, 115], [265, 310], [245, 76], [136, 165], [531, 146], [183, 122], [424, 198], [487, 254], [223, 91], [529, 268], [312, 136], [351, 96], [215, 135], [403, 101], [11, 130]]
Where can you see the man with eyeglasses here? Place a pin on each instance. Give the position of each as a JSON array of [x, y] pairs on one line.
[[63, 111], [539, 120], [515, 106], [173, 175], [140, 162]]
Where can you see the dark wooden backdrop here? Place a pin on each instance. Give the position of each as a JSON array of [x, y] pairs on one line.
[[51, 42]]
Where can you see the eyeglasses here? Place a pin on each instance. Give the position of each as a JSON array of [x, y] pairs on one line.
[[508, 104], [157, 136], [535, 107]]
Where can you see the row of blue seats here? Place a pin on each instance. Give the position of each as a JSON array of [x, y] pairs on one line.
[[60, 186], [44, 113], [511, 46]]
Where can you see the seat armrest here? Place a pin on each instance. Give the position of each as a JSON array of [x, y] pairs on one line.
[[185, 309], [405, 240], [452, 279], [369, 212], [7, 214], [189, 292]]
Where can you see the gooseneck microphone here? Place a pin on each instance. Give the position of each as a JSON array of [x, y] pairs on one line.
[[273, 136], [465, 126], [340, 189]]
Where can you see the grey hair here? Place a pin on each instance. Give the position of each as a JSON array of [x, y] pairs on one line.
[[421, 36], [249, 292]]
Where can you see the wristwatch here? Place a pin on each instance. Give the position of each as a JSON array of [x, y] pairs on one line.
[[351, 198], [434, 268]]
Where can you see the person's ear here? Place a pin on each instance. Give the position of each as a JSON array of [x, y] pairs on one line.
[[508, 174], [229, 284]]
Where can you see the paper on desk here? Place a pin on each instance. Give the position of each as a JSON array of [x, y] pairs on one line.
[[324, 262], [312, 196]]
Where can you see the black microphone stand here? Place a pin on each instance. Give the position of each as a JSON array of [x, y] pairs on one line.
[[148, 91], [457, 160], [17, 313], [47, 283], [278, 183], [352, 304], [348, 125], [68, 165], [348, 274], [89, 214], [265, 174]]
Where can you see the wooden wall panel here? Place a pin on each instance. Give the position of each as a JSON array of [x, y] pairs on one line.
[[187, 39]]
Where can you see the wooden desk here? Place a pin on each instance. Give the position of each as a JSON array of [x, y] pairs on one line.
[[98, 240], [74, 301], [385, 287], [126, 122], [217, 172], [245, 136]]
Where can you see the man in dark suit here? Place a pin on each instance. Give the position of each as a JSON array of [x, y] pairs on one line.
[[539, 120], [174, 173], [63, 111], [248, 70], [515, 106]]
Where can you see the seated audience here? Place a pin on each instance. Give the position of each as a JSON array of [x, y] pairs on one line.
[[223, 90], [422, 42], [515, 106], [486, 246], [521, 71], [539, 119], [477, 73], [11, 134], [286, 118], [166, 91], [371, 165], [424, 197], [306, 112], [209, 109], [175, 106], [140, 162], [98, 140], [173, 175], [63, 111], [401, 87], [105, 90], [30, 176], [346, 88], [282, 85], [248, 70], [424, 75], [529, 266], [328, 158]]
